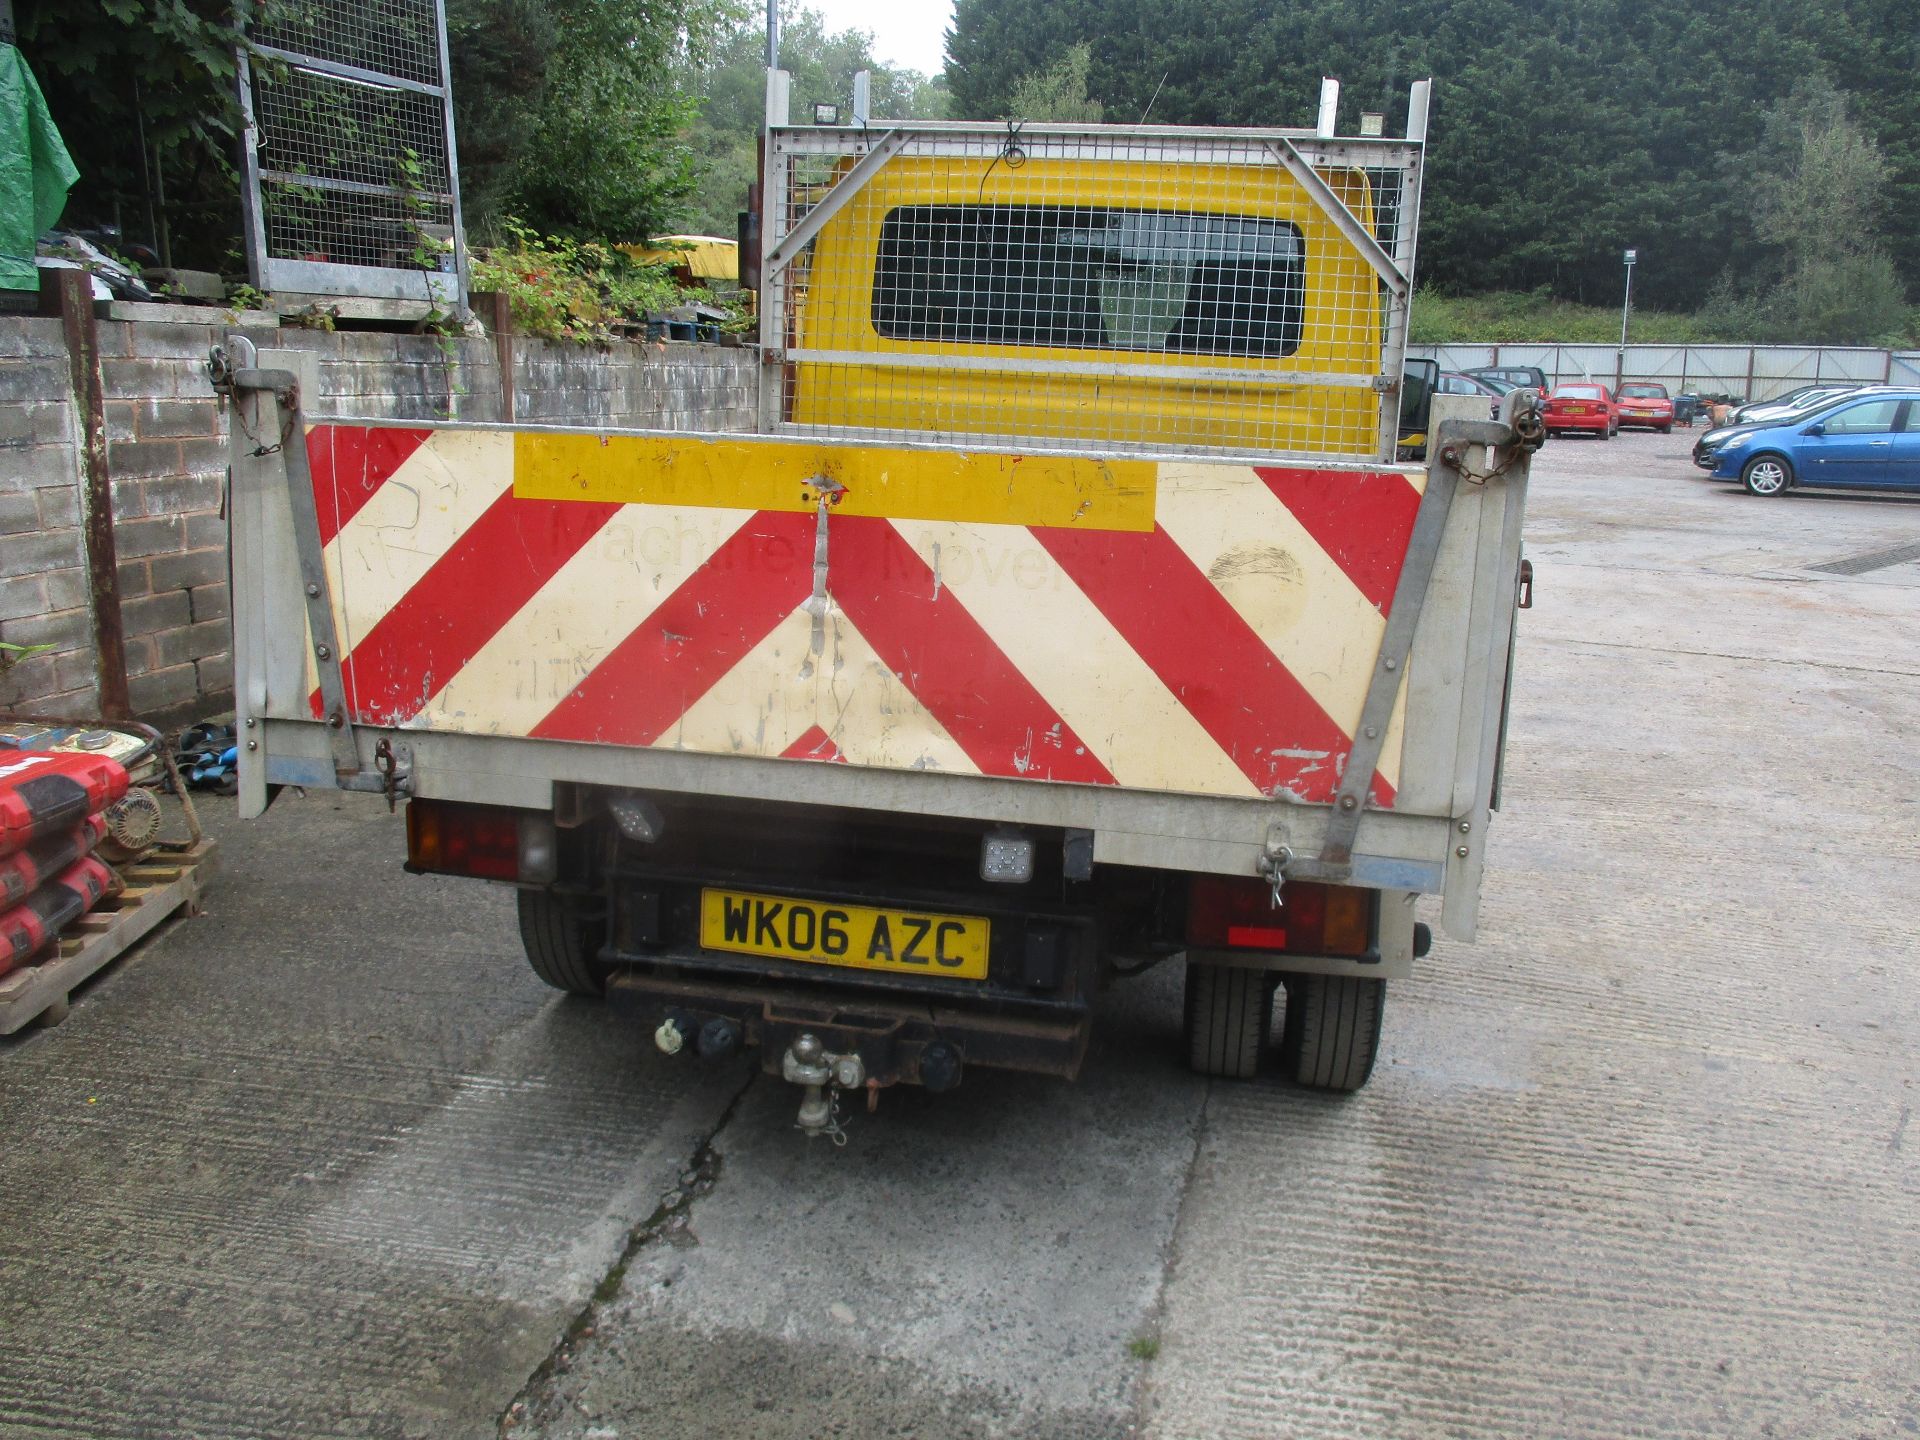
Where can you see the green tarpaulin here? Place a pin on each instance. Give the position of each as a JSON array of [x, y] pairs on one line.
[[35, 171]]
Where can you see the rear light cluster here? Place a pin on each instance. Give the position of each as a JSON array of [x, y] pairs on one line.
[[486, 842], [1230, 912]]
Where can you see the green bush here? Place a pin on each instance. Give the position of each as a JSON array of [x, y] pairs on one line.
[[579, 290]]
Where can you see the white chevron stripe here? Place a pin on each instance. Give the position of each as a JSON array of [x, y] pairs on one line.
[[1294, 595], [411, 522], [780, 689], [592, 603], [1071, 653]]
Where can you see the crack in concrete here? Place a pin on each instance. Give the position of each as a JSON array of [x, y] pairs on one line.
[[667, 1223], [1575, 643]]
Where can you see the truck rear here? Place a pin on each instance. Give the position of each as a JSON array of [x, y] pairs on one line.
[[1067, 614]]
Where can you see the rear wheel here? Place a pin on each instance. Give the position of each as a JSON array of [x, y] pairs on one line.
[[1766, 475], [1331, 1033], [561, 941], [1229, 1014]]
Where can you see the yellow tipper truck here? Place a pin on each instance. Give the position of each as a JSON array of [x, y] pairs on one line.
[[1066, 614]]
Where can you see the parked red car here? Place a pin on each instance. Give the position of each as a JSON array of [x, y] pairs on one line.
[[1644, 403], [1582, 405]]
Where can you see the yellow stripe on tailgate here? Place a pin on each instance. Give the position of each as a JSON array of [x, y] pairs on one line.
[[984, 488]]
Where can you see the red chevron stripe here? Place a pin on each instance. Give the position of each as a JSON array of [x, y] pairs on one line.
[[1209, 657], [1362, 518], [951, 665], [491, 571], [816, 744], [693, 637], [349, 463]]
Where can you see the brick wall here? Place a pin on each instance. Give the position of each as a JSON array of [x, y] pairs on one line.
[[43, 558], [167, 457]]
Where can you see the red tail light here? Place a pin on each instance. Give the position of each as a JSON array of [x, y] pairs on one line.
[[448, 838], [1234, 913]]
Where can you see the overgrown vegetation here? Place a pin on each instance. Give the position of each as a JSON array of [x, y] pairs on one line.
[[563, 289]]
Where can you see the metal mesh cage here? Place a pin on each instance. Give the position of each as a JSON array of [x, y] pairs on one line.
[[354, 186], [393, 37], [351, 174], [1055, 287]]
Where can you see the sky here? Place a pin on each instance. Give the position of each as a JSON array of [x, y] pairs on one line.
[[906, 33]]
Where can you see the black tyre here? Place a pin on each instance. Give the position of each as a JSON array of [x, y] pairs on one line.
[[1331, 1032], [1766, 474], [561, 941], [1229, 1015]]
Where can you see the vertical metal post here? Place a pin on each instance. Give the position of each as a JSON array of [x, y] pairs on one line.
[[461, 277], [773, 34], [1329, 107], [252, 212], [499, 320], [1405, 233], [96, 491], [773, 229], [1626, 306]]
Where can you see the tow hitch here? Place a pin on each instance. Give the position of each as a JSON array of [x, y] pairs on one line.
[[824, 1074]]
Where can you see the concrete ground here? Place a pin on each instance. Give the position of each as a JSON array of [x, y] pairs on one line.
[[327, 1160]]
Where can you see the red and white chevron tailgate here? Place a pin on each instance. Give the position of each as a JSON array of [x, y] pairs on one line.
[[1204, 628]]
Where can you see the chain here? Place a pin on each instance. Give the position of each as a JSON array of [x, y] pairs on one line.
[[835, 1131], [260, 448]]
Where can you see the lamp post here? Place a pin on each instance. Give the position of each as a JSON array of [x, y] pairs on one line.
[[1626, 305]]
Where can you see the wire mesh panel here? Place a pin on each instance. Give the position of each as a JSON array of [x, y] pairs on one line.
[[353, 187], [1056, 287]]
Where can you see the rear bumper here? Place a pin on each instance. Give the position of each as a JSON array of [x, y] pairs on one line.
[[1587, 424], [892, 1036]]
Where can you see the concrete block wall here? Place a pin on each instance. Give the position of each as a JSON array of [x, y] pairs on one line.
[[166, 437], [43, 557], [639, 387], [167, 454], [371, 376]]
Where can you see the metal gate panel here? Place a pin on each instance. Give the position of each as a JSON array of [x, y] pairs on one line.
[[352, 184]]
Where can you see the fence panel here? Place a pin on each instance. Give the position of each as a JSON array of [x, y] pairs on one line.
[[1752, 372]]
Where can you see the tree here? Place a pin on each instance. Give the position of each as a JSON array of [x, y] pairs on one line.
[[730, 89], [143, 93], [1561, 134], [1819, 182], [571, 114], [1820, 192], [1058, 92]]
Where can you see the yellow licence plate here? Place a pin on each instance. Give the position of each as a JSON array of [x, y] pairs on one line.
[[910, 942]]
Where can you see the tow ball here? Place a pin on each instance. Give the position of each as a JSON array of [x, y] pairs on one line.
[[810, 1064]]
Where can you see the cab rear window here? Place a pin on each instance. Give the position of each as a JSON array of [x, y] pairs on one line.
[[1084, 277]]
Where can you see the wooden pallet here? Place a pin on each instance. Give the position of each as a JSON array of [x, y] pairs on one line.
[[166, 882]]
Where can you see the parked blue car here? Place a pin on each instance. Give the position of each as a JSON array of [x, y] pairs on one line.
[[1870, 442]]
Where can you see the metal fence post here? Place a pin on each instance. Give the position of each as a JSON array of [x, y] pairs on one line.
[[96, 491]]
